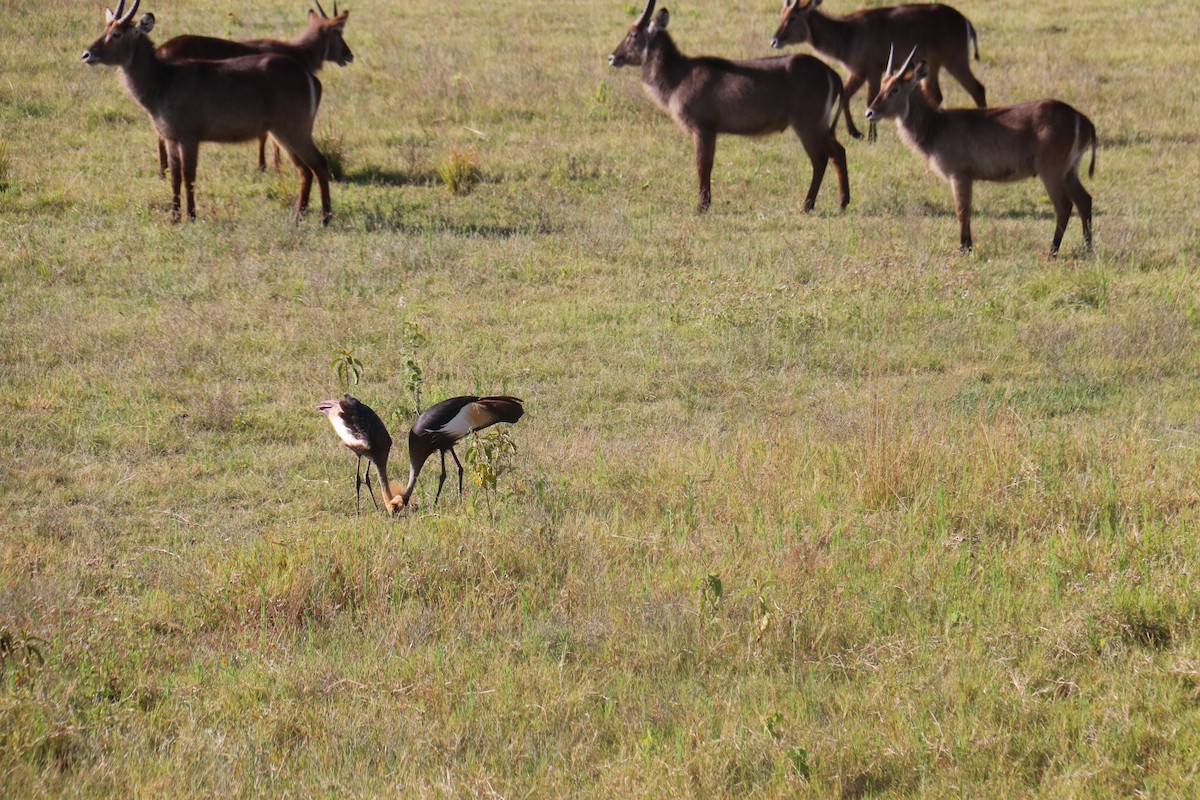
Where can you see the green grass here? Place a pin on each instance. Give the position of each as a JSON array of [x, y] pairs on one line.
[[950, 501]]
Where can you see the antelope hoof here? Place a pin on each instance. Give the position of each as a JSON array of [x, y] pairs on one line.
[[325, 219], [809, 205], [965, 249]]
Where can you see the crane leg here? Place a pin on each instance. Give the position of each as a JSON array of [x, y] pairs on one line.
[[367, 480], [460, 471], [357, 484], [441, 480]]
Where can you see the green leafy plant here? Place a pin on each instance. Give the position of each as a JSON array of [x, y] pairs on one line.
[[712, 589], [348, 368], [773, 725], [20, 653], [765, 607], [798, 757], [414, 377], [488, 458]]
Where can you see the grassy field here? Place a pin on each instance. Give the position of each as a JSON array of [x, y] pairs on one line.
[[801, 504]]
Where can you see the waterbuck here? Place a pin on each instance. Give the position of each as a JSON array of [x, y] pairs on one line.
[[320, 41], [710, 96], [235, 100], [944, 36], [1046, 138]]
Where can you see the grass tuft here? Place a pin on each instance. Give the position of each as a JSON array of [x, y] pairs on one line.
[[459, 170], [333, 147], [5, 167]]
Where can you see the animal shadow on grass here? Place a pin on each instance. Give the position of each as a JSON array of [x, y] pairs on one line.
[[382, 176], [414, 221], [900, 207], [1023, 211]]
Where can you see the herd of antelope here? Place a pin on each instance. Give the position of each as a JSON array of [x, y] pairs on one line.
[[203, 89]]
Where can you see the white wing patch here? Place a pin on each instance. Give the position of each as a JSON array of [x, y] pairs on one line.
[[469, 418], [339, 425]]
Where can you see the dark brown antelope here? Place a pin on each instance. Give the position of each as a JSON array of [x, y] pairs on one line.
[[1046, 138], [320, 41], [710, 96], [235, 100], [943, 36]]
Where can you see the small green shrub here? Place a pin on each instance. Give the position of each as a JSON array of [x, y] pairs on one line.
[[348, 368]]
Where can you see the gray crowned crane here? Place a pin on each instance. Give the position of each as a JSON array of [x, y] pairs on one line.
[[361, 430], [443, 425]]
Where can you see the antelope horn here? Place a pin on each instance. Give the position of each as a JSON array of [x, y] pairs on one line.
[[335, 8], [321, 10], [891, 52], [645, 18], [907, 62], [120, 9], [132, 11]]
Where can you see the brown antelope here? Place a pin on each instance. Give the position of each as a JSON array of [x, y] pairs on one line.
[[235, 100], [709, 96], [320, 41], [1046, 138], [944, 37]]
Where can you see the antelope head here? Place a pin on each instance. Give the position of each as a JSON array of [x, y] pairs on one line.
[[115, 45], [631, 52], [330, 30], [793, 22], [895, 92]]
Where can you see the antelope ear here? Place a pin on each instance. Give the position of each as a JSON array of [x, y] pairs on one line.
[[146, 23], [813, 4], [660, 21], [919, 71], [109, 16]]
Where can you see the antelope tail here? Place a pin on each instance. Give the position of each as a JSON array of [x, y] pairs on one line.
[[314, 97], [843, 107], [1092, 165], [973, 38], [834, 104]]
